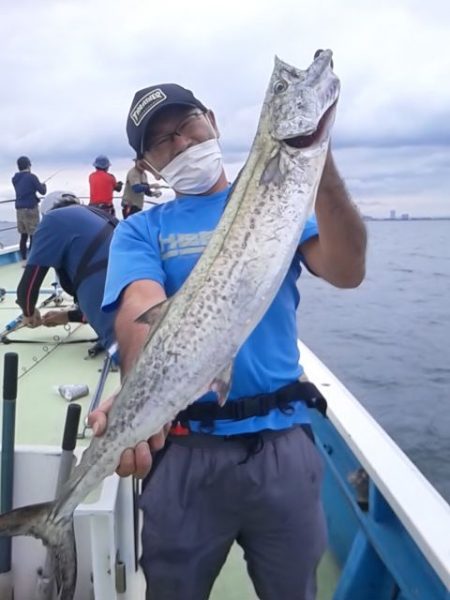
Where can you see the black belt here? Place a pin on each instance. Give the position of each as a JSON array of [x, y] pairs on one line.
[[255, 406]]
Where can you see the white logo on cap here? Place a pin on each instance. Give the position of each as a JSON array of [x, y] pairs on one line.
[[146, 104]]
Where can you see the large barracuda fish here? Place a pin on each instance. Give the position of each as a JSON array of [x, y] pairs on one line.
[[195, 335]]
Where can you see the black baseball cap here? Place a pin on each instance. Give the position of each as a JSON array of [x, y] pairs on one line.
[[147, 102]]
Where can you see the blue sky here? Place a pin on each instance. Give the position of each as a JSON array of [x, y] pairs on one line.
[[70, 70]]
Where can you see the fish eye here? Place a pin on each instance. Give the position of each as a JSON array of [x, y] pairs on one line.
[[280, 86]]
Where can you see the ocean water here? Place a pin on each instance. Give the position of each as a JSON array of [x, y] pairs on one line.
[[8, 234], [389, 339]]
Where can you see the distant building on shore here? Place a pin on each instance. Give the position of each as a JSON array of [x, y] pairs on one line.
[[392, 214]]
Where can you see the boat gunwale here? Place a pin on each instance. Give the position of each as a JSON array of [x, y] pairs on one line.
[[417, 504]]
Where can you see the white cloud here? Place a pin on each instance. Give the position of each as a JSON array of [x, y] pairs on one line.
[[70, 69]]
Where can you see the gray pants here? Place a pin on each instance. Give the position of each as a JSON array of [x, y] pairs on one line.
[[200, 500]]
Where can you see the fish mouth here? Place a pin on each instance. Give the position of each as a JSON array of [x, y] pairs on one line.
[[306, 141]]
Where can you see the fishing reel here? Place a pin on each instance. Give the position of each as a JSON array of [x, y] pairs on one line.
[[58, 300]]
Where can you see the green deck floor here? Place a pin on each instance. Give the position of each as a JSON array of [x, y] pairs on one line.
[[44, 364], [234, 584]]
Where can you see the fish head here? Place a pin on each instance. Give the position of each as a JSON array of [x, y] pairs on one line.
[[302, 103]]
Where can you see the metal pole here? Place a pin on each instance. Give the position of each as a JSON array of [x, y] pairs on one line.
[[51, 290], [45, 579], [99, 389], [7, 466]]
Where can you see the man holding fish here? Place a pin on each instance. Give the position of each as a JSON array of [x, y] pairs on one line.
[[239, 464]]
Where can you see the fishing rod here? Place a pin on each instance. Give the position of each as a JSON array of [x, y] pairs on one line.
[[11, 362], [52, 175], [95, 401], [56, 340], [17, 323], [13, 325], [4, 292], [163, 187]]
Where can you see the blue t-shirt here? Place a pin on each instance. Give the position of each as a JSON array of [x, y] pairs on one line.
[[26, 185], [163, 244], [60, 241]]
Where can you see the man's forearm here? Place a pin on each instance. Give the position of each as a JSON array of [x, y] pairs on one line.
[[28, 288], [130, 335], [343, 237]]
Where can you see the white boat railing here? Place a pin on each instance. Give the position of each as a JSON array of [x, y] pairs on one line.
[[417, 504]]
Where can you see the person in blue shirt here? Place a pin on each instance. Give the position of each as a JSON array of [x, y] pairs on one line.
[[74, 240], [26, 186], [255, 480]]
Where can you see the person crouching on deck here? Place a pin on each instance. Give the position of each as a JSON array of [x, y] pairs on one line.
[[74, 240]]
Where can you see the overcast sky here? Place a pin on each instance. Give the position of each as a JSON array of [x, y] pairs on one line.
[[69, 70]]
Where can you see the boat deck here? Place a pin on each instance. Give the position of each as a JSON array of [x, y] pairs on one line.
[[49, 357], [387, 525]]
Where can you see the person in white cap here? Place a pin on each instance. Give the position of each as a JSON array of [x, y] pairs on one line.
[[74, 240]]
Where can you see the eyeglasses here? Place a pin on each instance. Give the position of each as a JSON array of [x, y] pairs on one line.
[[161, 145]]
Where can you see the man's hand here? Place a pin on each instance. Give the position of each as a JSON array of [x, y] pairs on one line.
[[135, 461], [55, 317], [33, 320], [153, 190]]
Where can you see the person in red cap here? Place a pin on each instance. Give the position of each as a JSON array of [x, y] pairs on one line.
[[102, 185]]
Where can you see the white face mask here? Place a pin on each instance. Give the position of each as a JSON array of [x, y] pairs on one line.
[[195, 170]]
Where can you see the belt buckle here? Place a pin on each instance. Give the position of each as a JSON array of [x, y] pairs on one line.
[[179, 429]]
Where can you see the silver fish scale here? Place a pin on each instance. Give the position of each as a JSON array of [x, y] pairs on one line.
[[233, 283]]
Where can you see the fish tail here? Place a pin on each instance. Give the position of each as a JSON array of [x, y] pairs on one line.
[[56, 531]]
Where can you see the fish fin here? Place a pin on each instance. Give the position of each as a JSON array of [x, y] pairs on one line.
[[221, 384], [153, 315], [27, 520], [38, 520], [272, 173], [66, 561]]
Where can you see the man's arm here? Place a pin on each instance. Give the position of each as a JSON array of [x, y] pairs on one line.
[[338, 253], [154, 190], [138, 297], [117, 185], [52, 318], [28, 292], [140, 188], [40, 187]]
